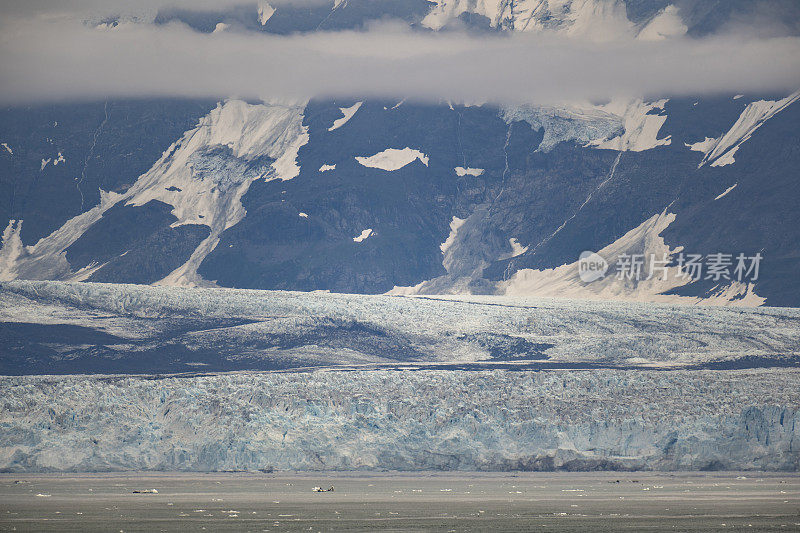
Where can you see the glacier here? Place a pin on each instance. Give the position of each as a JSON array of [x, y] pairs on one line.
[[388, 420], [68, 328], [113, 377]]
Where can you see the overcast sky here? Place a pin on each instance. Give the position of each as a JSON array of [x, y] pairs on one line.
[[50, 55]]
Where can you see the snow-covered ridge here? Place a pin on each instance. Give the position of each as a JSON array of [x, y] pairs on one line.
[[425, 420], [596, 19]]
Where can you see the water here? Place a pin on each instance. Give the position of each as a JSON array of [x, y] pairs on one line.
[[401, 502]]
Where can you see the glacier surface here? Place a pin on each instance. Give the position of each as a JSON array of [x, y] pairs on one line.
[[69, 328]]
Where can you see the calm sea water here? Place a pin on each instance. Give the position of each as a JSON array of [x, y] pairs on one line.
[[400, 502]]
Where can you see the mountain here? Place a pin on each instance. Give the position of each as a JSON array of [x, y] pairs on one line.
[[364, 195]]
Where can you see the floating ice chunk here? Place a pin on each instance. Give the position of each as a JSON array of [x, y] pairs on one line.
[[347, 114], [221, 27], [468, 171], [8, 148], [44, 163], [393, 158], [364, 234], [302, 215], [59, 159], [325, 168]]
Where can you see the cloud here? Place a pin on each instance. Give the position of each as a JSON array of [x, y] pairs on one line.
[[103, 8], [63, 60]]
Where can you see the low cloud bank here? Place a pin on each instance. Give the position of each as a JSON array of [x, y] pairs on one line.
[[52, 60]]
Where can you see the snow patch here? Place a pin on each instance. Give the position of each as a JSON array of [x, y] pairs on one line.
[[364, 235], [11, 250], [211, 165], [286, 167], [702, 146], [516, 248], [726, 159], [666, 24], [454, 225], [265, 12], [641, 126], [47, 258], [393, 159], [753, 117], [347, 114], [221, 27], [564, 281], [742, 294], [469, 171], [729, 189]]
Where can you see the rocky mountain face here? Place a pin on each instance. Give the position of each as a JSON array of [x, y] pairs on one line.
[[368, 196]]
